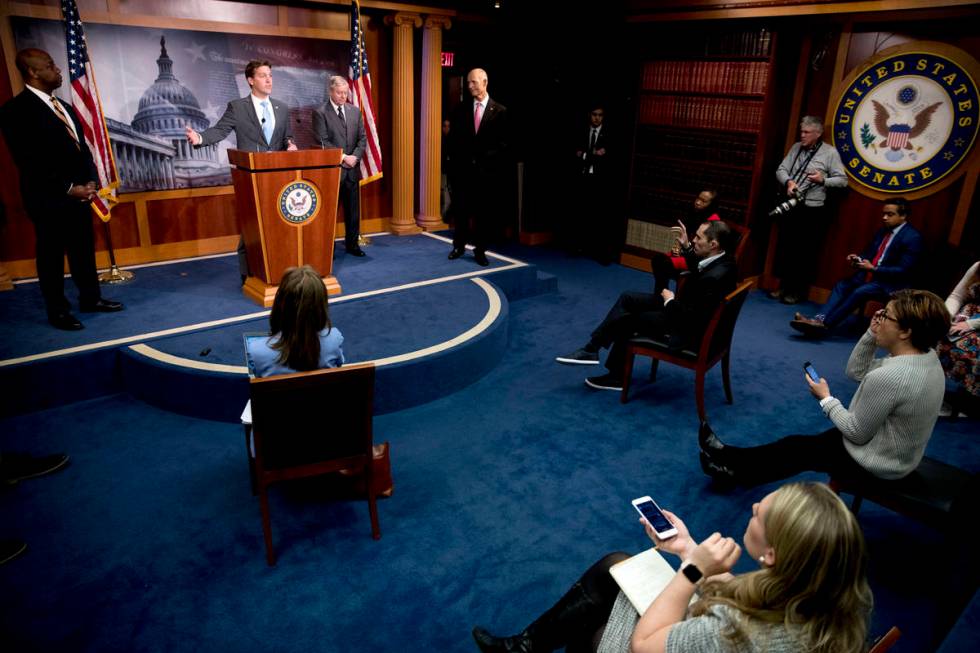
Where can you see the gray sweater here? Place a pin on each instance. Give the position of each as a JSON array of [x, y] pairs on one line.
[[892, 414], [826, 160]]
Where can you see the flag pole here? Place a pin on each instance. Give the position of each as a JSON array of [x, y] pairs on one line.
[[113, 274]]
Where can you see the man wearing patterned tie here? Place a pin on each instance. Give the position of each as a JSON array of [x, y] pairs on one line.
[[478, 141], [338, 124], [58, 182], [261, 124], [886, 265]]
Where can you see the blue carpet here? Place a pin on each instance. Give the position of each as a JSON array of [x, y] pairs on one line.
[[505, 491]]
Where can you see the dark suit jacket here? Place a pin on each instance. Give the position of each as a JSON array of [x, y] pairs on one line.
[[599, 164], [240, 116], [477, 157], [348, 134], [895, 270], [689, 313], [46, 155]]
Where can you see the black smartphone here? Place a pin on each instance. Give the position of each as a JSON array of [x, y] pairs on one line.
[[811, 372]]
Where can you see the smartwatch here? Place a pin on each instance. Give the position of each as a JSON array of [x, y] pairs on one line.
[[691, 571]]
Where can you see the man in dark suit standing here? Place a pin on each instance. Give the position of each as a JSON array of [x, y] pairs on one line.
[[338, 124], [261, 124], [886, 265], [682, 320], [591, 226], [58, 181], [478, 148]]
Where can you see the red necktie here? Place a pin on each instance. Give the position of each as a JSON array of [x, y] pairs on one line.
[[881, 250], [477, 115]]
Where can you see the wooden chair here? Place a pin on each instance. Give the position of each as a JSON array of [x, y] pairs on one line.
[[935, 493], [715, 346], [311, 424]]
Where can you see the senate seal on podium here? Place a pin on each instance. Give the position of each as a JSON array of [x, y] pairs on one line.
[[299, 201], [906, 119]]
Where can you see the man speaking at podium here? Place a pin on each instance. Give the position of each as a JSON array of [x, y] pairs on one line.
[[261, 124]]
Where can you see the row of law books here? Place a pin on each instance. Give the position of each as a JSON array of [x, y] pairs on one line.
[[725, 114], [726, 149], [745, 77]]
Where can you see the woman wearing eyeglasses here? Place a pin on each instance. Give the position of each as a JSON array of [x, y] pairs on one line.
[[885, 429]]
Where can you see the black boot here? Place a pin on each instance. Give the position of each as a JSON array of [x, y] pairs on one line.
[[551, 630], [708, 441]]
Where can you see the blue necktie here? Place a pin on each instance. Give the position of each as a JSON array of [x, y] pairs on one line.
[[266, 121]]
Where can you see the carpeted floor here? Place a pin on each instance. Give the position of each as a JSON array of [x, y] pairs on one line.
[[504, 492]]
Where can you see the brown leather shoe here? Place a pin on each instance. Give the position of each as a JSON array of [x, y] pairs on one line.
[[810, 328]]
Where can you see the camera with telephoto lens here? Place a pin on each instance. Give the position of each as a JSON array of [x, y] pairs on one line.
[[785, 207]]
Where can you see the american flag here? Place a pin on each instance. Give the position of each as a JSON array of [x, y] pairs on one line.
[[85, 100], [360, 84]]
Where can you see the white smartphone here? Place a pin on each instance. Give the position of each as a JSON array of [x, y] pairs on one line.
[[654, 516]]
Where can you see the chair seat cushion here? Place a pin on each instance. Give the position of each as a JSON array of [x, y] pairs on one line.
[[661, 345], [933, 487]]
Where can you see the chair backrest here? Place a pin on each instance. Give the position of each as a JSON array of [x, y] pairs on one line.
[[742, 233], [312, 417], [886, 641], [718, 336]]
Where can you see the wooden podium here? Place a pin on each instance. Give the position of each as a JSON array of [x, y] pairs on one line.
[[287, 212]]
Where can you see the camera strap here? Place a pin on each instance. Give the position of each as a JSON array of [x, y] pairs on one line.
[[800, 173]]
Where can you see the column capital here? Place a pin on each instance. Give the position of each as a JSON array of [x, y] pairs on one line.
[[404, 19], [436, 22]]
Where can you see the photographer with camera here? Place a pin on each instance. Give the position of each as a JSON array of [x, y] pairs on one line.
[[810, 167], [886, 265]]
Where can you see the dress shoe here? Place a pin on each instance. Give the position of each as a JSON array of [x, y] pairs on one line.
[[810, 328], [102, 306], [716, 471], [65, 321], [707, 439], [579, 357], [16, 467], [456, 253], [491, 644], [355, 251], [480, 258], [789, 298], [605, 382]]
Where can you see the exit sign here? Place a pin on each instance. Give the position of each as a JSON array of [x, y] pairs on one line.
[[447, 59]]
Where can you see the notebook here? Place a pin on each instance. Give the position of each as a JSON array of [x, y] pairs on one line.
[[643, 577]]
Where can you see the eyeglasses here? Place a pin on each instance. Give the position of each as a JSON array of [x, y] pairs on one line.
[[882, 315]]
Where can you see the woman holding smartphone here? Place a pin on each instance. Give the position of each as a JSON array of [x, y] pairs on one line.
[[810, 592]]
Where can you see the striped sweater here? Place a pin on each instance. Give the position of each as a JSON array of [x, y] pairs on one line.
[[892, 414]]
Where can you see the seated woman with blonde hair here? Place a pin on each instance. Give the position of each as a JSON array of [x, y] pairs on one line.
[[301, 336], [810, 593]]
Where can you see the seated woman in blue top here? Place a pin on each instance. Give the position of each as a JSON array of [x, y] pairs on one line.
[[302, 338]]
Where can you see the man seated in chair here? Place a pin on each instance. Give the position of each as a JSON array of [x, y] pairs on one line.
[[681, 320], [886, 265]]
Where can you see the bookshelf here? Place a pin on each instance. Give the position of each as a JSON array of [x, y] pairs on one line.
[[701, 118]]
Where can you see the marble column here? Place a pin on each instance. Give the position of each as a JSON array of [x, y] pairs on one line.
[[430, 139], [403, 124]]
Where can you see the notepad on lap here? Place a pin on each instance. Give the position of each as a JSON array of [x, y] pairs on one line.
[[643, 577]]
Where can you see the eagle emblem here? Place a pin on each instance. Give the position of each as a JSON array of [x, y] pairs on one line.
[[898, 134], [298, 202]]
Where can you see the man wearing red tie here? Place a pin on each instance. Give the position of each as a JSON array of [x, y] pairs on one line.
[[58, 181], [886, 265], [478, 148]]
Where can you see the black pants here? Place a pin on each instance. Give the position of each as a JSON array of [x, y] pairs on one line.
[[634, 313], [602, 590], [350, 200], [790, 456], [801, 237], [57, 233]]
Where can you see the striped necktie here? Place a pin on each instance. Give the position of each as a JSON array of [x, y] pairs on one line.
[[64, 118]]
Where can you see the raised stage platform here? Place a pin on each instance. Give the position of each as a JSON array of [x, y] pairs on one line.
[[177, 345]]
